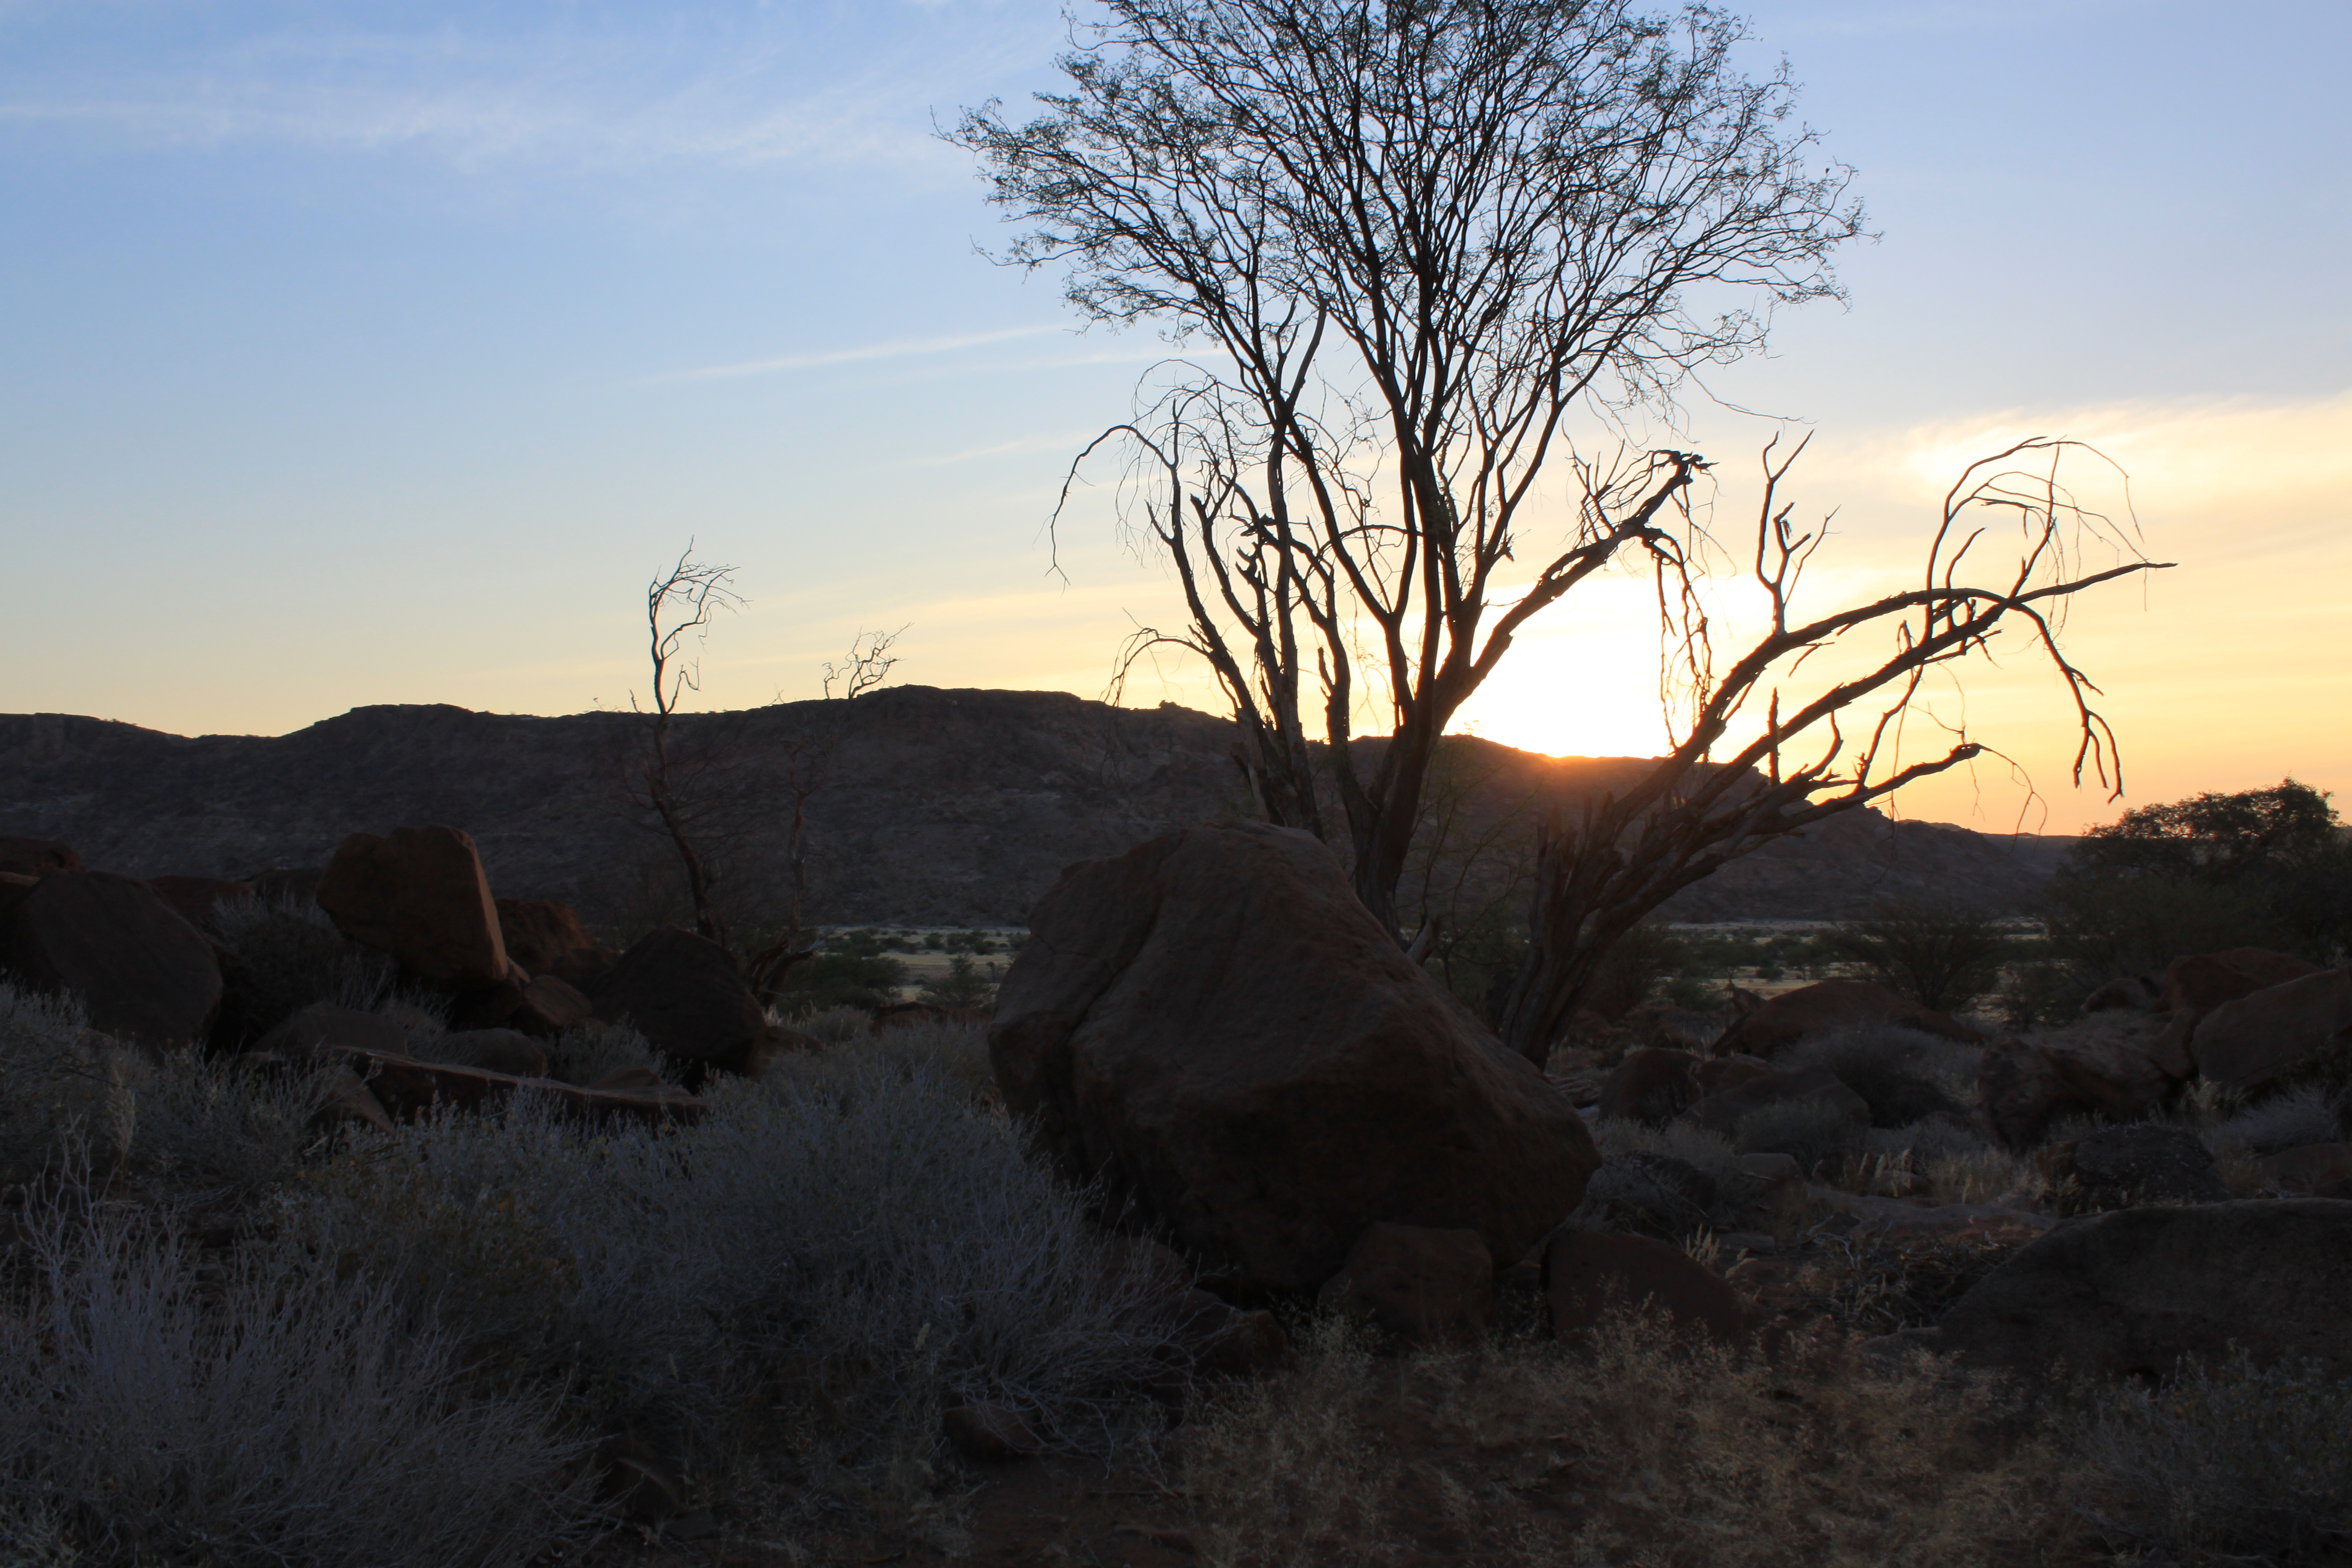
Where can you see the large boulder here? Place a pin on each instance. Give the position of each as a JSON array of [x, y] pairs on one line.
[[1214, 1025], [1588, 1278], [1652, 1085], [1414, 1282], [1828, 1007], [688, 997], [2125, 1167], [2104, 1065], [2276, 1033], [143, 972], [419, 894], [35, 856], [2200, 982], [1723, 1111], [2131, 1292], [541, 934], [193, 899]]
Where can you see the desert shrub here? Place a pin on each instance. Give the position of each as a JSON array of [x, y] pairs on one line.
[[1940, 953], [873, 1246], [2226, 1463], [1977, 1175], [1816, 1134], [587, 1052], [289, 956], [1632, 1452], [833, 1026], [949, 1053], [158, 1404], [1905, 1075], [1878, 1283], [839, 980], [965, 985], [58, 1082], [216, 1128], [2305, 1114]]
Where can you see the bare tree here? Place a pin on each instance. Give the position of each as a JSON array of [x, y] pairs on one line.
[[1798, 763], [1419, 234], [677, 783]]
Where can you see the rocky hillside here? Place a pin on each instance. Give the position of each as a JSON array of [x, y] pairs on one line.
[[948, 806]]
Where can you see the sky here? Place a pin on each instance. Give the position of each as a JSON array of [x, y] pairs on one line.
[[355, 354]]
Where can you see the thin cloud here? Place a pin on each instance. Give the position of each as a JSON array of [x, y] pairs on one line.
[[902, 348], [1026, 445]]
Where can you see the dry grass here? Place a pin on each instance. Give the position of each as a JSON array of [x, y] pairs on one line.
[[1527, 1452]]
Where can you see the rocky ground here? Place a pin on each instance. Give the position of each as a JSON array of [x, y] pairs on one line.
[[1234, 1238]]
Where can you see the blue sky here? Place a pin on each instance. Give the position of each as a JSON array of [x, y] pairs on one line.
[[357, 354]]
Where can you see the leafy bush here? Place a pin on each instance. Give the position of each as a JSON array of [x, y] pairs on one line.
[[1815, 1134], [289, 956], [1634, 966], [2101, 928], [157, 1404], [965, 985], [2226, 1463], [1941, 954], [839, 980], [1905, 1076]]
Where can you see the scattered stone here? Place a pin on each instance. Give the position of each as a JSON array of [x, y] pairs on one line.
[[1214, 1024], [2279, 1032], [1221, 1339], [2124, 1167], [1772, 1169], [143, 972], [2131, 1292], [990, 1434], [1417, 1283], [686, 995], [551, 1005], [1586, 1277], [1650, 1086], [322, 1028], [498, 1050], [193, 899], [1828, 1007], [1723, 1112], [540, 933], [419, 894]]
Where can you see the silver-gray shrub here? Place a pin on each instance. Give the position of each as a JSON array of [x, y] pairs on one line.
[[955, 1054], [57, 1080], [213, 1128], [2233, 1462], [2304, 1114], [878, 1238], [158, 1403], [586, 1053]]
